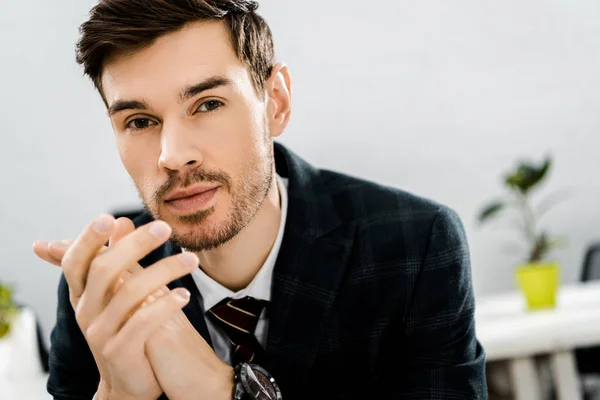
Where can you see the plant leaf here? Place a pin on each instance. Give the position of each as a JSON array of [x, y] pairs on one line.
[[540, 173], [490, 211], [526, 176]]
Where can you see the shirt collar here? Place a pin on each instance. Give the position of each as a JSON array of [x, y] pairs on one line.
[[260, 287]]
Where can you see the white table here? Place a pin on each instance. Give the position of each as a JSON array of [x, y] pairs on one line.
[[29, 389], [21, 375], [508, 332]]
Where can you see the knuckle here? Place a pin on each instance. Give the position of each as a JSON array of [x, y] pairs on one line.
[[80, 314], [173, 303], [109, 351], [68, 261], [98, 264], [128, 288], [143, 315], [92, 333]]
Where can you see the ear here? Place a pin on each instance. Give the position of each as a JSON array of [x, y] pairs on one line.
[[279, 99]]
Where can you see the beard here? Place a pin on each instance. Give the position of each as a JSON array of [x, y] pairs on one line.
[[247, 194]]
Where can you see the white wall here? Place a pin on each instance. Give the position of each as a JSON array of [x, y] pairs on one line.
[[436, 97]]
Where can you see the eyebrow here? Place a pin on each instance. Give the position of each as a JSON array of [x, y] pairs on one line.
[[187, 93], [121, 105], [207, 84]]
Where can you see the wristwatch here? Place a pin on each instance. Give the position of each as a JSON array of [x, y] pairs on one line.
[[253, 382]]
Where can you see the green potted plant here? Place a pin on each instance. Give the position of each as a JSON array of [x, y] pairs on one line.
[[537, 277], [8, 310]]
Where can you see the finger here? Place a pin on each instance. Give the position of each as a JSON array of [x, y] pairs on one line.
[[149, 300], [52, 252], [123, 227], [55, 251], [80, 254], [142, 325], [41, 249], [125, 275], [58, 249], [137, 289], [155, 295], [123, 255]]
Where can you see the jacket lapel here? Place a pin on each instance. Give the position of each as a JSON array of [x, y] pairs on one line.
[[308, 272]]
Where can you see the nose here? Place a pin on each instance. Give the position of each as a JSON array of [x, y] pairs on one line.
[[178, 149]]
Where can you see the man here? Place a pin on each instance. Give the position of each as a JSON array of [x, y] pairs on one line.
[[295, 282]]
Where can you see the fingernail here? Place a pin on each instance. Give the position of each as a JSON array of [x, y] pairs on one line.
[[59, 245], [160, 230], [103, 224], [183, 294], [67, 241], [188, 259]]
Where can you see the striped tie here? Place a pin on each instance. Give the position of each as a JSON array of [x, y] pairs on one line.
[[238, 318]]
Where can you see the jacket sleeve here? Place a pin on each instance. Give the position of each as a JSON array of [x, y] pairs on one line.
[[441, 357], [445, 359], [73, 371]]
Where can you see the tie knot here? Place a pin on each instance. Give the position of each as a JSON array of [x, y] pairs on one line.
[[240, 314], [238, 318]]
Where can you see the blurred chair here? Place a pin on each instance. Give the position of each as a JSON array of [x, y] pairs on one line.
[[588, 359], [591, 265]]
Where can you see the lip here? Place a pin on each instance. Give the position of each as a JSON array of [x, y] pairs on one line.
[[201, 201], [189, 192]]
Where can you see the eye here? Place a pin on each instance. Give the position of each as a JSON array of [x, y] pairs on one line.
[[140, 123], [209, 106]]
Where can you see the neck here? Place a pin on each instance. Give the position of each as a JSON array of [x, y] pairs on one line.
[[237, 262]]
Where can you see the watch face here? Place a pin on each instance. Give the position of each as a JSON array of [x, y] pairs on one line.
[[259, 384]]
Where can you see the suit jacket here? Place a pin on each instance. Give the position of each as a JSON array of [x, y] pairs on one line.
[[371, 298]]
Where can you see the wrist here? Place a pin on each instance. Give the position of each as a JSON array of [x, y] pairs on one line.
[[221, 388], [108, 394], [226, 384], [102, 392]]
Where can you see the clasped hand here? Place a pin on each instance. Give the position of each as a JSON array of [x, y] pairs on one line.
[[141, 340]]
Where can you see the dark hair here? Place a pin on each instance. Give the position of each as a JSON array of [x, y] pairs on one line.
[[130, 25]]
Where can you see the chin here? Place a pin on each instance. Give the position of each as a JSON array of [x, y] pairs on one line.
[[202, 238], [200, 234]]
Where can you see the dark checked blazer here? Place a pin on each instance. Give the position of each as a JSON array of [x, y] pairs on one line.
[[371, 298]]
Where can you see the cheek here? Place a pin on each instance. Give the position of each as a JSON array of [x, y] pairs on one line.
[[139, 161], [254, 127], [240, 133], [128, 157]]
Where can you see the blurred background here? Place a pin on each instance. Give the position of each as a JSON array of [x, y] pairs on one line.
[[438, 98]]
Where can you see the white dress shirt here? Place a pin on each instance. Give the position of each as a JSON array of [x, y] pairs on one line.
[[260, 288]]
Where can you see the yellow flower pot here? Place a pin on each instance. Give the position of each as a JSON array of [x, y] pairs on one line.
[[539, 283]]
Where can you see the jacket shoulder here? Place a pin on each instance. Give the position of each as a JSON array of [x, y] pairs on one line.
[[362, 201]]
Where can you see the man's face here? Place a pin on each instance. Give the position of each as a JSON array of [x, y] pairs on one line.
[[192, 133]]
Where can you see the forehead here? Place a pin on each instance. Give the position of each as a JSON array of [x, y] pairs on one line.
[[198, 51]]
